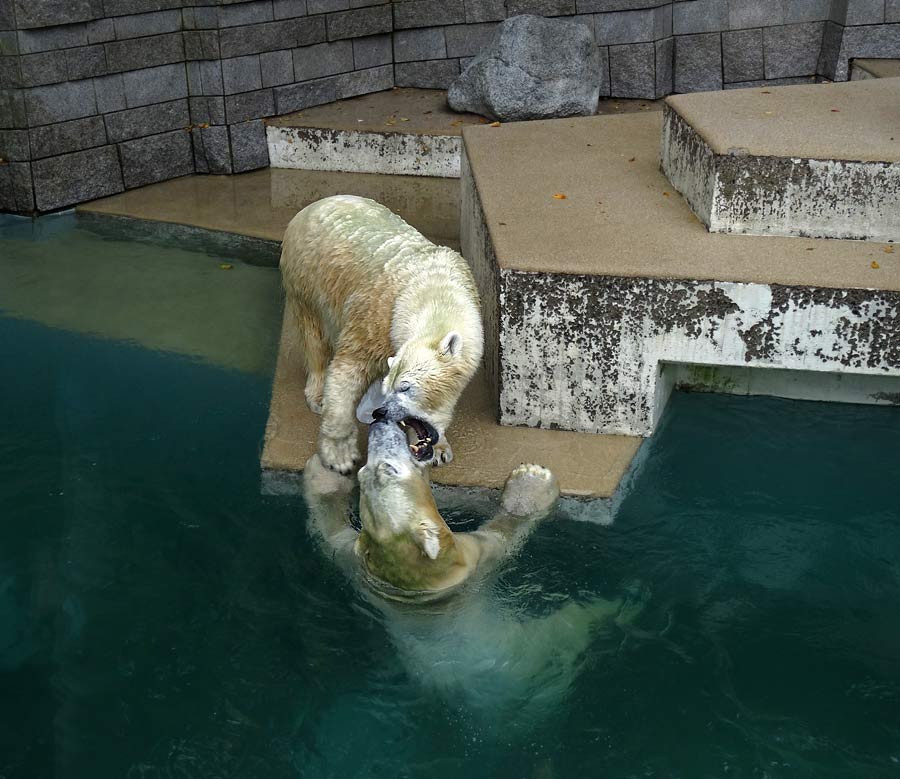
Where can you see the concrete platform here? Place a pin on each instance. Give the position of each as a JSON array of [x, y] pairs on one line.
[[807, 161], [861, 69], [591, 297], [587, 466]]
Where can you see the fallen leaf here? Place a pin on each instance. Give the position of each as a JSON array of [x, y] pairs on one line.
[[226, 266], [765, 92], [768, 113], [835, 110], [631, 159], [875, 265], [888, 250], [494, 124], [427, 112], [810, 248], [403, 119], [502, 223], [560, 196], [457, 123], [665, 194]]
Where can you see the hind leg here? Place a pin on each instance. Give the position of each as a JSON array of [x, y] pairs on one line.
[[316, 354]]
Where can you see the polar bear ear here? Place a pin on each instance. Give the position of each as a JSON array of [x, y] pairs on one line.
[[428, 537], [451, 344], [391, 361]]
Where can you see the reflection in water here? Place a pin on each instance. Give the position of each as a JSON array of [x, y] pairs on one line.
[[160, 618]]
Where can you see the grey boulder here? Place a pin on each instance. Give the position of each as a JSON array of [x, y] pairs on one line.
[[534, 68]]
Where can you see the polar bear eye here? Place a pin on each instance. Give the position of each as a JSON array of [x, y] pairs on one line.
[[404, 386]]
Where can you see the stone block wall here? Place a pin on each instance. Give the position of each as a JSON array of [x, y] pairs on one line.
[[98, 96]]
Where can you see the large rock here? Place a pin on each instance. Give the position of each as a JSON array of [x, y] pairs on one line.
[[534, 68]]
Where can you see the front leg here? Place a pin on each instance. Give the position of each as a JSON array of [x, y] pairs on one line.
[[443, 454], [345, 384]]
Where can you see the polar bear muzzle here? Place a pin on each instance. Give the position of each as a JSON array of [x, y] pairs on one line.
[[421, 436]]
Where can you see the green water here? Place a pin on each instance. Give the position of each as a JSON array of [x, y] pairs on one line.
[[159, 617]]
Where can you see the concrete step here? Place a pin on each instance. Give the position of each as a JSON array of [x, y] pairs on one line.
[[861, 69], [401, 131], [806, 161], [600, 285]]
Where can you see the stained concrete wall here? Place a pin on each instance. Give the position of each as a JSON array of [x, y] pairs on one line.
[[97, 96]]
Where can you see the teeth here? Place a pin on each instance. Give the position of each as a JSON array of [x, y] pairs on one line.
[[402, 424]]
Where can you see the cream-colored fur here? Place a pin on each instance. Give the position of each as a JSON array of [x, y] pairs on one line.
[[365, 286]]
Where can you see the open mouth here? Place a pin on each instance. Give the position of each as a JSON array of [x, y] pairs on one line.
[[420, 436]]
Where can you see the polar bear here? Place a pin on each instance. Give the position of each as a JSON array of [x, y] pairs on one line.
[[371, 295], [431, 585]]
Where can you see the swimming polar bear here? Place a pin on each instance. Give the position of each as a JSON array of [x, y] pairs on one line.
[[371, 295], [430, 584]]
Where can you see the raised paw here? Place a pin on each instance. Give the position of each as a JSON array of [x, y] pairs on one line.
[[530, 490], [315, 387], [339, 454], [319, 480], [443, 454]]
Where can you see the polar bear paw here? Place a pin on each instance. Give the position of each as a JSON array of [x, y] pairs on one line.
[[531, 490], [314, 390], [339, 454], [443, 454], [321, 481]]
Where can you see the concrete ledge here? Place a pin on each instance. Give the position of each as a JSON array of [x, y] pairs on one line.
[[605, 294], [803, 161]]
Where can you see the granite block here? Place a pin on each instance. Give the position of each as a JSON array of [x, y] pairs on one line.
[[207, 110], [86, 62], [60, 102], [540, 7], [76, 177], [16, 190], [276, 67], [326, 6], [45, 68], [147, 120], [211, 82], [420, 43], [372, 50], [272, 36], [15, 146], [154, 85], [878, 41], [156, 158], [142, 25], [241, 74], [51, 13], [362, 82], [468, 40], [428, 13], [792, 50], [665, 67], [697, 16], [604, 6], [698, 62], [484, 10], [289, 9], [10, 73], [246, 13], [742, 55], [65, 137], [322, 59], [144, 52], [110, 93], [632, 70], [12, 109], [754, 13], [434, 74], [806, 11], [249, 105], [892, 11], [619, 27], [127, 7], [829, 54], [359, 22], [51, 38], [296, 97], [101, 31], [212, 150], [249, 149]]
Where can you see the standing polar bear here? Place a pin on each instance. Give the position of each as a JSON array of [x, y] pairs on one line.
[[371, 295]]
